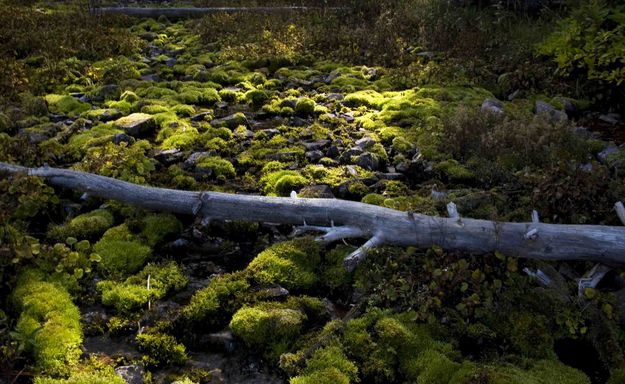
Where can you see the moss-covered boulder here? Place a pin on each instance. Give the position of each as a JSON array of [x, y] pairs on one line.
[[136, 124], [66, 104], [121, 251]]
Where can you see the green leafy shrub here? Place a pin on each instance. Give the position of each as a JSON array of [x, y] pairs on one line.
[[123, 161], [291, 264], [161, 349], [48, 325], [121, 251], [83, 226]]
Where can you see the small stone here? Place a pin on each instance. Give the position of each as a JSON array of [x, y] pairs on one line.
[[108, 115], [314, 156], [315, 145], [611, 118], [201, 116], [131, 374], [316, 192], [492, 106], [347, 155], [274, 292], [369, 161], [170, 62], [545, 108], [365, 142], [193, 158], [335, 74], [391, 176], [136, 124], [335, 96], [168, 156], [271, 132], [122, 138], [348, 116]]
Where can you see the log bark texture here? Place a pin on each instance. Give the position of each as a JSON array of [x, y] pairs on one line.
[[347, 219]]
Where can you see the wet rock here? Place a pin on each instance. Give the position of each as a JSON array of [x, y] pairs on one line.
[[555, 115], [244, 135], [426, 54], [438, 196], [333, 152], [201, 116], [168, 156], [136, 124], [296, 121], [316, 192], [391, 176], [314, 156], [365, 142], [122, 138], [107, 115], [274, 292], [611, 118], [131, 374], [369, 161], [492, 106], [346, 157], [331, 310]]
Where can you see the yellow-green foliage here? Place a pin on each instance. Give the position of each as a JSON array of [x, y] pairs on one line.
[[257, 97], [121, 251], [66, 104], [333, 176], [181, 138], [161, 349], [133, 294], [129, 96], [281, 183], [49, 324], [266, 323], [158, 227], [98, 135], [454, 171], [221, 168], [305, 106], [82, 226], [292, 264], [328, 365], [105, 375], [333, 273], [129, 163], [219, 299], [183, 109], [541, 372]]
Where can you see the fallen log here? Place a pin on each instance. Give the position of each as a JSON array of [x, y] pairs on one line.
[[340, 219]]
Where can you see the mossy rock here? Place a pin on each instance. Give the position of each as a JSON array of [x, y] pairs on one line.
[[121, 251], [267, 323], [158, 227], [103, 375], [83, 226], [136, 124], [454, 171], [216, 167], [328, 365], [48, 325], [305, 106], [282, 182], [66, 104], [291, 264], [161, 350]]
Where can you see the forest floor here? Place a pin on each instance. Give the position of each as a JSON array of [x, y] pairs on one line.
[[161, 298]]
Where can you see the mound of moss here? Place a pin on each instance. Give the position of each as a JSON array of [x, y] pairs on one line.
[[121, 251], [84, 226]]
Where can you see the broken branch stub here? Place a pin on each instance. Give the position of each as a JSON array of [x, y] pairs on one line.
[[382, 226]]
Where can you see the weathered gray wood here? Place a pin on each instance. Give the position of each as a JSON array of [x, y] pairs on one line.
[[604, 244], [199, 12]]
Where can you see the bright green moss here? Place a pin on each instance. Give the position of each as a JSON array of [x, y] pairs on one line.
[[305, 106], [161, 349], [374, 199], [223, 295], [282, 182], [256, 97], [183, 110], [84, 226], [154, 109], [334, 176], [221, 168], [401, 145], [333, 273], [121, 252], [129, 96], [266, 323], [433, 367], [454, 171], [123, 105], [48, 325], [158, 227], [368, 98], [105, 375], [183, 139], [328, 365], [291, 264], [66, 104], [133, 294]]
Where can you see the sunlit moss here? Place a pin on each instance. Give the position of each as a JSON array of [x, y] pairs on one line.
[[84, 226], [121, 251]]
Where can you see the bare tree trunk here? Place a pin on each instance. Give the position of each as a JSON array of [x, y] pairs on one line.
[[339, 219]]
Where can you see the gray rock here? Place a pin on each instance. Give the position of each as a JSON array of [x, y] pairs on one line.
[[151, 78], [492, 106], [274, 292], [347, 155], [136, 124], [109, 115], [609, 149], [335, 96], [348, 116], [296, 121], [333, 152], [365, 142], [611, 118], [168, 156], [230, 121], [369, 161], [201, 116], [192, 160], [391, 176], [315, 145], [271, 132], [131, 374], [335, 74], [314, 156], [426, 54], [170, 62], [555, 115]]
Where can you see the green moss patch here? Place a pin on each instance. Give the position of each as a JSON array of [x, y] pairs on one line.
[[84, 226], [121, 251]]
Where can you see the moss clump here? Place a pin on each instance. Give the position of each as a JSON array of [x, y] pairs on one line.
[[133, 294], [454, 171], [333, 273], [49, 324], [84, 226], [223, 295], [161, 349], [183, 110], [374, 199], [129, 96], [328, 365], [256, 97], [266, 324], [66, 104], [104, 375], [158, 227], [5, 123], [305, 106], [220, 168], [292, 264], [282, 182], [121, 251]]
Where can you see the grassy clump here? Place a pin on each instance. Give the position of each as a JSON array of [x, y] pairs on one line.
[[49, 324], [84, 226], [291, 264], [121, 251], [161, 349], [133, 294]]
